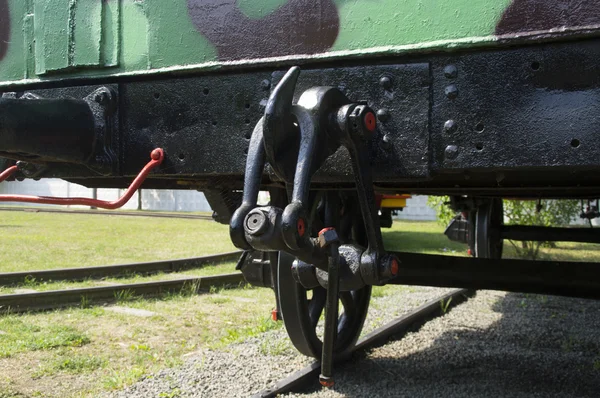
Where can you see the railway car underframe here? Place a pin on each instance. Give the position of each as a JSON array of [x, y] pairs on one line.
[[518, 122]]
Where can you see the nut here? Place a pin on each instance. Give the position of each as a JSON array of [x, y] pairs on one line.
[[327, 236]]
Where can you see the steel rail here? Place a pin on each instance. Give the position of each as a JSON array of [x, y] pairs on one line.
[[397, 329], [135, 213], [100, 272], [53, 299]]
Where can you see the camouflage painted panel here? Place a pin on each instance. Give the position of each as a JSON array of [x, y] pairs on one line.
[[58, 39]]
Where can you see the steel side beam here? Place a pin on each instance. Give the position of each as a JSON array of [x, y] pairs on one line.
[[551, 234], [560, 278]]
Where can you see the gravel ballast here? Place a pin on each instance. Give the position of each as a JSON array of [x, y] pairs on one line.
[[246, 368], [495, 344]]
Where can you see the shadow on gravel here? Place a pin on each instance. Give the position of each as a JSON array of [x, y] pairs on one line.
[[542, 346]]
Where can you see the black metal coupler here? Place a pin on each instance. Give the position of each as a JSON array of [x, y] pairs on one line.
[[48, 130]]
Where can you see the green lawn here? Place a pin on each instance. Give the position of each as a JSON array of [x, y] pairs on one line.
[[31, 241]]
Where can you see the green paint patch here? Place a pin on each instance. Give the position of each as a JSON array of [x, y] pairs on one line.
[[364, 25]]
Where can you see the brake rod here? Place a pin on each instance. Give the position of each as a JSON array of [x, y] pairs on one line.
[[157, 156]]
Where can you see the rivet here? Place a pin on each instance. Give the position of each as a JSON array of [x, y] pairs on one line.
[[265, 84], [450, 126], [451, 152], [451, 91], [383, 115], [385, 82], [386, 142], [450, 72]]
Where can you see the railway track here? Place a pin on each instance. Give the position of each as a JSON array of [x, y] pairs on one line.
[[107, 213], [397, 328], [100, 272], [39, 301]]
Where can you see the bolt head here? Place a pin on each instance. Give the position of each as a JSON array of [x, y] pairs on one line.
[[386, 142], [327, 236], [451, 152], [383, 115], [450, 126], [265, 84], [362, 121], [394, 266], [451, 91], [101, 98], [385, 82], [450, 72]]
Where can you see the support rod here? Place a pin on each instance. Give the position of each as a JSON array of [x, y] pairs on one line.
[[526, 232], [560, 278]]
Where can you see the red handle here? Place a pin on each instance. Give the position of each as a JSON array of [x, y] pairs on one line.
[[157, 157]]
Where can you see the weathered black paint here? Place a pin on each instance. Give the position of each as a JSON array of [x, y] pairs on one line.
[[532, 15], [4, 28], [298, 27]]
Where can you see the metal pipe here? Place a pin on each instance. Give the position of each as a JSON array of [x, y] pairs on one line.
[[574, 279], [551, 234]]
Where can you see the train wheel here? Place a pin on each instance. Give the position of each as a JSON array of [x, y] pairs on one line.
[[488, 226], [301, 310]]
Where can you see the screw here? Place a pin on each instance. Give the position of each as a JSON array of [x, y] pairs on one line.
[[450, 72], [450, 126], [451, 91], [265, 84], [386, 83], [383, 115], [451, 152]]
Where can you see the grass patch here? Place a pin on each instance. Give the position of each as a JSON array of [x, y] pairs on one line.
[[108, 350], [36, 241], [237, 334], [420, 237], [21, 336], [73, 363]]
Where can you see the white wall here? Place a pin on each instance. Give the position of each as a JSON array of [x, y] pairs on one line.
[[417, 209]]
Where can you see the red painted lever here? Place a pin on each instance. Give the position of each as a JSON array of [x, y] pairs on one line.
[[157, 157]]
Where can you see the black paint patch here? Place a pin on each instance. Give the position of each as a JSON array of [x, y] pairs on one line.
[[532, 15], [298, 27], [4, 28]]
